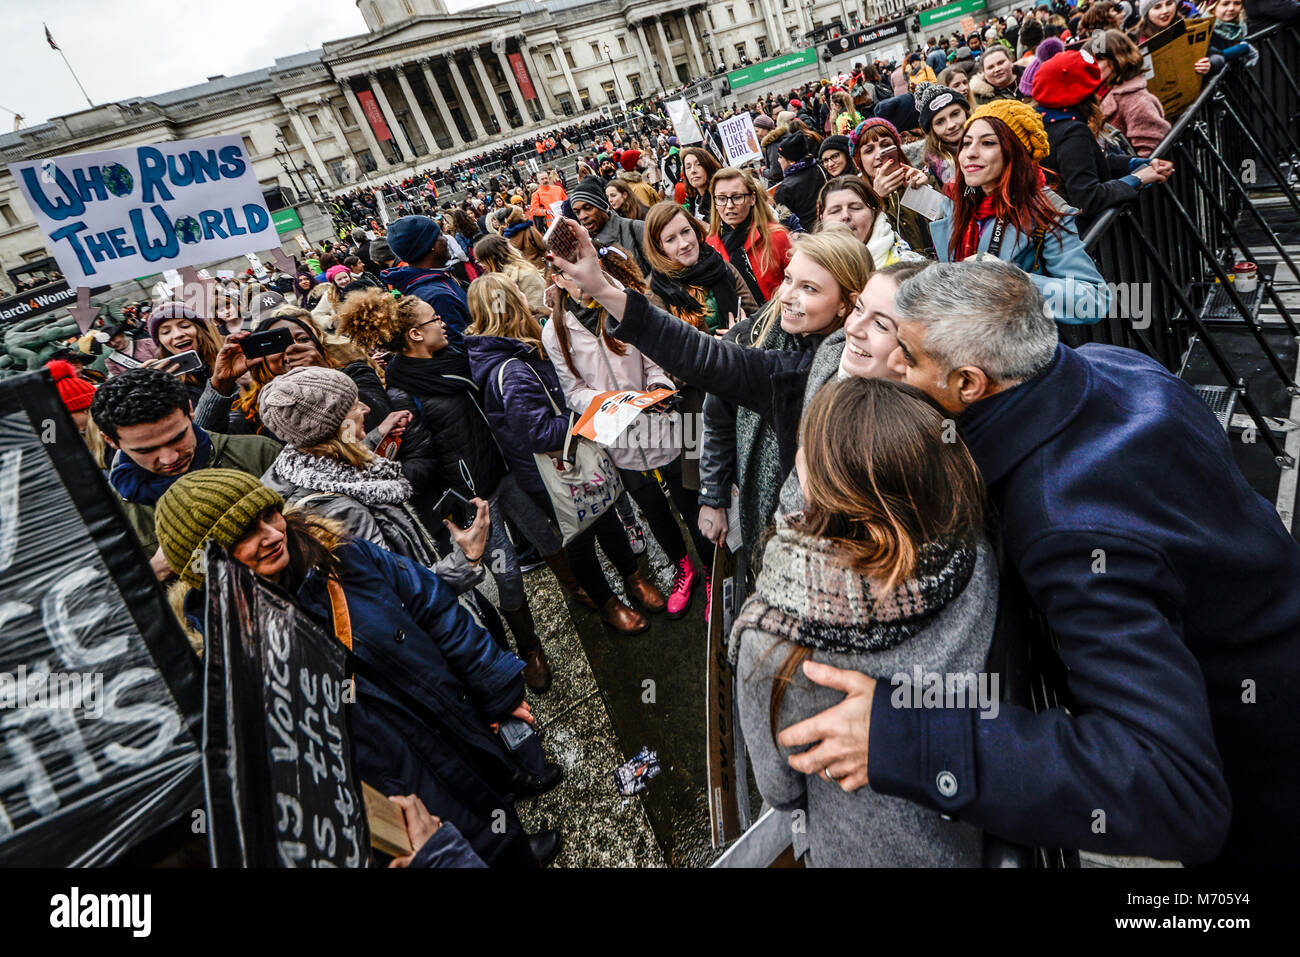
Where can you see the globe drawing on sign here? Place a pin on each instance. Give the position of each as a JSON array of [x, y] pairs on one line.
[[187, 229], [118, 179]]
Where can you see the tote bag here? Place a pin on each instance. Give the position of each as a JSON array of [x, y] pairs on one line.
[[584, 484]]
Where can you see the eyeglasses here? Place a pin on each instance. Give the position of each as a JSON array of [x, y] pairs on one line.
[[722, 200]]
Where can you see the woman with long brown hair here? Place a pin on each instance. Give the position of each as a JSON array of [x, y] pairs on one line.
[[623, 201], [176, 328], [887, 571], [495, 254], [744, 230], [525, 408], [524, 236], [691, 278], [698, 167]]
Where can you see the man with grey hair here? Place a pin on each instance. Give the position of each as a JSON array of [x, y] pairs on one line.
[[1170, 584]]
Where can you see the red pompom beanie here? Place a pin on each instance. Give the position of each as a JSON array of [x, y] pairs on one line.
[[629, 159], [75, 391], [1066, 79]]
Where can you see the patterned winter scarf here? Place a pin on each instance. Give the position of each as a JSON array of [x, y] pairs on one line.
[[380, 483], [805, 594]]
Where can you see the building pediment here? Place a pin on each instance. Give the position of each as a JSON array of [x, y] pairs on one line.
[[421, 31]]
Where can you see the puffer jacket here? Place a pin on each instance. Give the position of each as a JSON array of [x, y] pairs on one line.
[[463, 454], [522, 407], [639, 187], [602, 370]]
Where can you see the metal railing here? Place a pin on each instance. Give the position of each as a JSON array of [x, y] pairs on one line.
[[1180, 239]]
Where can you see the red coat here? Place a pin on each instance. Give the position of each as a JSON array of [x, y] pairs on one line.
[[769, 280]]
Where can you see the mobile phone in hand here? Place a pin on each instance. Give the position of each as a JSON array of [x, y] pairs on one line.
[[456, 508], [184, 362], [269, 342], [890, 156], [515, 732], [562, 239]]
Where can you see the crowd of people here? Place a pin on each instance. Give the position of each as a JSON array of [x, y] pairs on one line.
[[889, 420]]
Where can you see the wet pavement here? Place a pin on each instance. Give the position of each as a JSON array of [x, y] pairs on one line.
[[613, 695]]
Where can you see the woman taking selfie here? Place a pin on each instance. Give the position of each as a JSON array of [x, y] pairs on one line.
[[999, 206], [176, 328], [765, 376], [525, 407], [443, 684], [887, 567], [743, 229], [589, 362], [878, 153]]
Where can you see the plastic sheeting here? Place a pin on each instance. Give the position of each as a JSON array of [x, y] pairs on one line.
[[99, 690], [277, 755]]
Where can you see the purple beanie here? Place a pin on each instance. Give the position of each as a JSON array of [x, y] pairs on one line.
[[1046, 50], [171, 310]]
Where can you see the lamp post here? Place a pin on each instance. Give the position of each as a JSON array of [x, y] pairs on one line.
[[618, 87]]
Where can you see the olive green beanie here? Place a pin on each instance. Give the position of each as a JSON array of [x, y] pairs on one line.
[[217, 504]]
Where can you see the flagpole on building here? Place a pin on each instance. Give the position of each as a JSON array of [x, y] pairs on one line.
[[50, 39]]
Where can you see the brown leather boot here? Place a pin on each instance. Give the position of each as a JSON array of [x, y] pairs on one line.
[[642, 591], [623, 619], [537, 670], [559, 563]]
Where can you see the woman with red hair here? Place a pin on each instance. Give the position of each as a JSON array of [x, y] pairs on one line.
[[999, 205]]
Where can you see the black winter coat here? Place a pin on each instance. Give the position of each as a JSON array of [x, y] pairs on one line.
[[1090, 179], [461, 453], [798, 192]]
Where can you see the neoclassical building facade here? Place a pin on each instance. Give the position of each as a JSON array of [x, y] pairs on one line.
[[424, 85]]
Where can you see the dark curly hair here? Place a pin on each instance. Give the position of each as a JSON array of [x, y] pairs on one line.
[[136, 397]]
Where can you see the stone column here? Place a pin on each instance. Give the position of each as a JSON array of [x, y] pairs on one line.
[[668, 52], [689, 26], [304, 134], [550, 109], [525, 115], [430, 144], [363, 121], [408, 151], [646, 58], [448, 122], [335, 127], [490, 101], [776, 35], [568, 78], [466, 104]]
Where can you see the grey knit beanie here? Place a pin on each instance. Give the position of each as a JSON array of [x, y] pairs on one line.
[[306, 406], [1144, 6]]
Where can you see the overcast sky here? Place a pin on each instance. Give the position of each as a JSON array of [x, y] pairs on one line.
[[142, 47]]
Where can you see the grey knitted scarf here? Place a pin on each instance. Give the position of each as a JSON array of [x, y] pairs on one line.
[[758, 455], [805, 594], [380, 483]]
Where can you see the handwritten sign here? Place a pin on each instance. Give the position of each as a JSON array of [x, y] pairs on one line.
[[116, 214], [739, 139], [99, 689], [277, 756]]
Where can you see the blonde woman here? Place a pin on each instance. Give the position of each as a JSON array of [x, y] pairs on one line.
[[495, 254], [763, 373], [526, 409]]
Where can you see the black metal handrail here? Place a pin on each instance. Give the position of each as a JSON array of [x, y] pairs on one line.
[[1183, 235]]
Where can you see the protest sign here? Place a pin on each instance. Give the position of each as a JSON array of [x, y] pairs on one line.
[[277, 754], [739, 139], [113, 215], [1169, 56], [99, 690], [610, 413], [684, 123]]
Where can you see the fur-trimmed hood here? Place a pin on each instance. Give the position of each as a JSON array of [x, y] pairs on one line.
[[629, 177], [981, 87], [775, 135]]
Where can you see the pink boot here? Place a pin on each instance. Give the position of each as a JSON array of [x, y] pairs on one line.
[[679, 600]]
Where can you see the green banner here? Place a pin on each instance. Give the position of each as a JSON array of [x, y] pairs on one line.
[[773, 67], [285, 220], [951, 11]]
